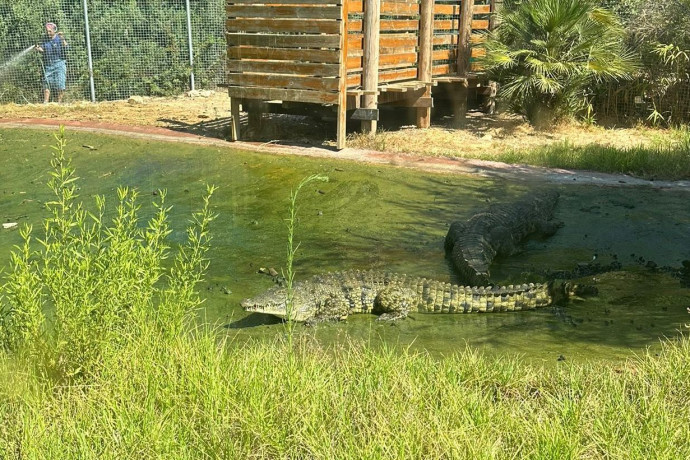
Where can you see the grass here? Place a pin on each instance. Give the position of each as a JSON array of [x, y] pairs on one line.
[[666, 161], [648, 155], [196, 397], [122, 374]]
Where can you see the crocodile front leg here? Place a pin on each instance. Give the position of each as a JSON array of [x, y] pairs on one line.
[[393, 303], [333, 307]]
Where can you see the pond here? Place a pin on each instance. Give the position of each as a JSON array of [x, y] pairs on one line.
[[385, 218]]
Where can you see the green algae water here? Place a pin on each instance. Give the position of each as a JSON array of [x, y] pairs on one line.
[[384, 218]]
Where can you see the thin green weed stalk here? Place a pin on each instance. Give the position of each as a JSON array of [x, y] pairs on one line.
[[289, 273]]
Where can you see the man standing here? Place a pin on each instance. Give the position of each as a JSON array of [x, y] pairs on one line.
[[53, 49]]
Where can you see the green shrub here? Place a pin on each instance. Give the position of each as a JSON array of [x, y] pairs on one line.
[[546, 53], [101, 284]]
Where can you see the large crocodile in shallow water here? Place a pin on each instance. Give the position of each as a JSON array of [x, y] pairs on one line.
[[334, 296], [472, 245]]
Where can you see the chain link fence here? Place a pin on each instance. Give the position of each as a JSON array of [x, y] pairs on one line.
[[115, 49]]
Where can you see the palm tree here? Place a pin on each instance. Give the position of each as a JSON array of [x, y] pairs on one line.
[[545, 54]]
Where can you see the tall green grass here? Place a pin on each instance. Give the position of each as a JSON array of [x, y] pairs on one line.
[[667, 160], [195, 397], [119, 370]]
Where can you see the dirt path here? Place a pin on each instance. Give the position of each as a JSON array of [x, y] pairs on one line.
[[430, 164]]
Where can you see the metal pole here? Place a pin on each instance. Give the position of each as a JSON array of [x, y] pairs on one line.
[[189, 39], [88, 51]]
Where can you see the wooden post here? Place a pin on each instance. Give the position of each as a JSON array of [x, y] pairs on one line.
[[341, 137], [465, 32], [424, 74], [370, 70], [235, 118], [464, 54]]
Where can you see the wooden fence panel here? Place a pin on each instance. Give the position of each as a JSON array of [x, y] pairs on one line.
[[447, 20], [285, 49]]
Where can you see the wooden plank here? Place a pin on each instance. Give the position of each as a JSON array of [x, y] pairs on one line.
[[452, 24], [235, 118], [296, 95], [440, 8], [397, 75], [385, 76], [448, 39], [387, 25], [282, 81], [283, 41], [482, 9], [388, 60], [392, 8], [282, 26], [282, 67], [387, 41], [285, 12], [283, 2], [478, 52], [445, 55], [399, 9], [443, 69], [284, 54], [446, 24], [480, 24]]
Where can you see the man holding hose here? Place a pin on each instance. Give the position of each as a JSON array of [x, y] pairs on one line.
[[54, 55]]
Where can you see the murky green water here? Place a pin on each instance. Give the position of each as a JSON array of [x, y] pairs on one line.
[[385, 218]]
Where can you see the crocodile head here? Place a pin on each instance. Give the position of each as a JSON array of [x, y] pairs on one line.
[[274, 302]]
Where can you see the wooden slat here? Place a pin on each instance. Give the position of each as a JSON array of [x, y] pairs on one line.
[[386, 41], [478, 52], [448, 39], [452, 24], [284, 41], [444, 55], [286, 12], [440, 8], [282, 81], [480, 24], [355, 80], [389, 60], [443, 69], [284, 2], [387, 25], [482, 9], [396, 75], [296, 95], [391, 8], [399, 9], [445, 24], [283, 26], [284, 54], [282, 67]]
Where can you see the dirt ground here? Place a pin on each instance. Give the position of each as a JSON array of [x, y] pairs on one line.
[[207, 114]]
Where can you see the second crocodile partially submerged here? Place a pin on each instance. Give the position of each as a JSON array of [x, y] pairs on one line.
[[334, 296], [472, 245]]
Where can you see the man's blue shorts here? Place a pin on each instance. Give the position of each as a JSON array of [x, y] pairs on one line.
[[56, 76]]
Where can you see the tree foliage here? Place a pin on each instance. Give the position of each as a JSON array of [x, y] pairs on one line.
[[546, 54]]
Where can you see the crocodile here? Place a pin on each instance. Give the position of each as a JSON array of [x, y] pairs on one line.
[[472, 245], [392, 296]]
